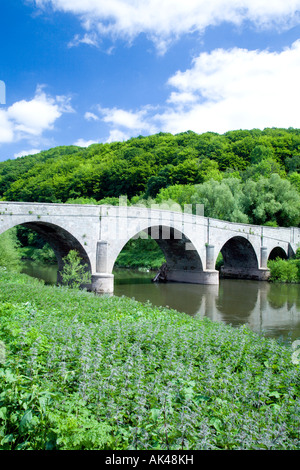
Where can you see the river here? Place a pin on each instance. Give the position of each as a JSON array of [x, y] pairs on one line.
[[269, 309]]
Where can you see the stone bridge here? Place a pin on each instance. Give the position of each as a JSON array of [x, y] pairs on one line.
[[190, 243]]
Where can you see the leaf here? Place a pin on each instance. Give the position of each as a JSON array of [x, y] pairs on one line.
[[155, 412], [216, 423], [25, 421], [8, 438], [274, 394], [3, 412]]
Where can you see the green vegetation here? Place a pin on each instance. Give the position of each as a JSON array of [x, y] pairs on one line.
[[282, 270], [141, 253], [74, 273], [79, 371], [248, 176], [10, 256], [32, 246], [252, 174]]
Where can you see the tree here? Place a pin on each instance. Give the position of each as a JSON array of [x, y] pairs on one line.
[[221, 199], [292, 163], [261, 152], [74, 272], [209, 169], [294, 179], [266, 167], [272, 199]]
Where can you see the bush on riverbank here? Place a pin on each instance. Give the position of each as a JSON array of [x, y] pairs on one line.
[[10, 257], [282, 270], [79, 371]]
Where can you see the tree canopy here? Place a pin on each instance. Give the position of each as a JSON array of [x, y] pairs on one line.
[[242, 175]]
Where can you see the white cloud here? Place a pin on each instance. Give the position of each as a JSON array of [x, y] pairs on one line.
[[88, 39], [29, 119], [85, 143], [134, 121], [223, 90], [233, 89], [165, 20], [6, 128], [23, 153], [116, 135], [91, 116]]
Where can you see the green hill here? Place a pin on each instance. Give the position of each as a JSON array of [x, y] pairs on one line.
[[243, 175]]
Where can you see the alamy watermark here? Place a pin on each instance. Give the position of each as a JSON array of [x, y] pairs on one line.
[[165, 220], [2, 92]]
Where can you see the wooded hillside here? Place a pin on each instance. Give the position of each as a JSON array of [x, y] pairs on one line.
[[243, 175]]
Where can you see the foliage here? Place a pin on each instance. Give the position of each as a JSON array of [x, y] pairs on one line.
[[267, 201], [142, 252], [85, 372], [282, 270], [74, 272], [10, 256], [221, 199], [272, 199], [144, 165], [247, 176]]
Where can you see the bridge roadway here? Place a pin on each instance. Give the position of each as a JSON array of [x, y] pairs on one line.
[[190, 243]]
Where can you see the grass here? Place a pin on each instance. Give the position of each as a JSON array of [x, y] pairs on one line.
[[78, 371]]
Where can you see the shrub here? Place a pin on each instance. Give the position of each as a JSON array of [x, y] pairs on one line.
[[284, 270], [10, 257], [74, 273]]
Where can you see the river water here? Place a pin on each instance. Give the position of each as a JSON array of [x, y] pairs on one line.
[[269, 309]]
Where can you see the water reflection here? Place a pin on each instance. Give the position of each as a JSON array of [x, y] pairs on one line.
[[272, 309]]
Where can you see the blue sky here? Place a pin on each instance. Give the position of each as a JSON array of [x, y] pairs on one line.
[[78, 72]]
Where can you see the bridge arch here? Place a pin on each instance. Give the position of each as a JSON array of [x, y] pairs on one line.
[[277, 252], [60, 240], [183, 262], [239, 258]]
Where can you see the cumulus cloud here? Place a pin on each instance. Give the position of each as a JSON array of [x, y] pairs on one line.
[[23, 153], [27, 119], [223, 90], [164, 21], [136, 121], [116, 135], [91, 116], [6, 128], [237, 88], [85, 143]]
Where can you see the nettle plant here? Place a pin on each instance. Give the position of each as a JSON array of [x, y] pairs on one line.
[[98, 372]]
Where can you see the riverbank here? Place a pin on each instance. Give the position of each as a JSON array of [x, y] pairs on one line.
[[78, 371]]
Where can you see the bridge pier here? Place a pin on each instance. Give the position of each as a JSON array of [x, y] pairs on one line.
[[210, 257], [259, 274], [263, 257], [193, 277], [103, 283]]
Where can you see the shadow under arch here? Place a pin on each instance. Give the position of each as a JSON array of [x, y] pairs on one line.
[[239, 259], [175, 247], [277, 252], [61, 241]]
